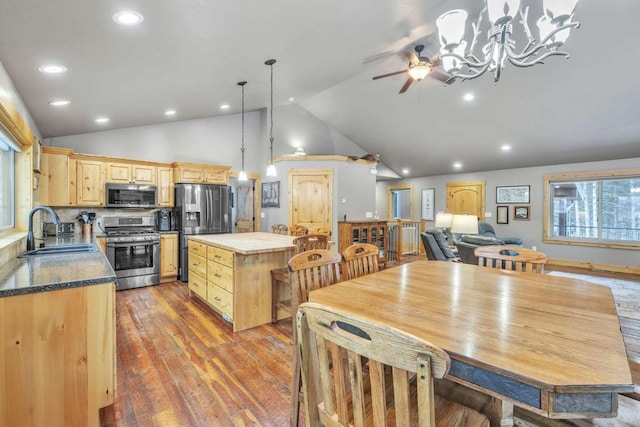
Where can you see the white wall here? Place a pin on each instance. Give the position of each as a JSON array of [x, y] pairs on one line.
[[10, 92], [530, 231]]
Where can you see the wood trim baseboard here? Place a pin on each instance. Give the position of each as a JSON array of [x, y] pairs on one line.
[[594, 266]]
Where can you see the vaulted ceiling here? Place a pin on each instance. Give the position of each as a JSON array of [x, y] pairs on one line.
[[189, 55]]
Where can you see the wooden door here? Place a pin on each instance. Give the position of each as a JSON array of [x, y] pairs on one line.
[[245, 215], [466, 198], [311, 198]]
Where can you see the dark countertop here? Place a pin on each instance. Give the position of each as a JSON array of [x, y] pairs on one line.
[[54, 272]]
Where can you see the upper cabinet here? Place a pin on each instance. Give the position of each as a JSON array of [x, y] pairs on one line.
[[165, 186], [195, 173], [90, 191], [58, 178], [125, 173]]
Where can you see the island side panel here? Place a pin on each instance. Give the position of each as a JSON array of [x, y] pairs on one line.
[[252, 295]]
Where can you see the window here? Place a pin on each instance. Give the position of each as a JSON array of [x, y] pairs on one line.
[[7, 185], [601, 209]]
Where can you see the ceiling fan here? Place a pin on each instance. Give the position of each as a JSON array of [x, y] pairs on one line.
[[419, 68]]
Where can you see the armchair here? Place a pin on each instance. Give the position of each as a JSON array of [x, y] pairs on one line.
[[436, 246]]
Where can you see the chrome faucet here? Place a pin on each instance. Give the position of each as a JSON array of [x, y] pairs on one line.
[[30, 241]]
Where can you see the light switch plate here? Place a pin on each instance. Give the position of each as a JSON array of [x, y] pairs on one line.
[[368, 215], [488, 214], [262, 215]]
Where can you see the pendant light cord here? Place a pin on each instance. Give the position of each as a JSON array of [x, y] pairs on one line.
[[242, 149], [270, 63]]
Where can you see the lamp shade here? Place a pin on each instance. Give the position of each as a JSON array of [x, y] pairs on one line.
[[464, 224], [443, 220], [451, 64], [500, 9], [451, 27], [271, 170], [419, 71], [546, 26]]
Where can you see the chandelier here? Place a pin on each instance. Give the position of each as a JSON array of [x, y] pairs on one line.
[[461, 63]]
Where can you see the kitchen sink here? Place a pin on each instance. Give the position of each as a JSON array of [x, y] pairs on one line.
[[60, 250]]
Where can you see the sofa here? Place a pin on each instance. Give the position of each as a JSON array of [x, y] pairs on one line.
[[466, 243]]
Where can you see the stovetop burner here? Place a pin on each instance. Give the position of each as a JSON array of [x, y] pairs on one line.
[[131, 229]]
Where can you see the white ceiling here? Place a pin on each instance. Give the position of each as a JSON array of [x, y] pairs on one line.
[[189, 55]]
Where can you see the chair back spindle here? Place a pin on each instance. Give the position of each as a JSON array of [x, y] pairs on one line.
[[514, 258]]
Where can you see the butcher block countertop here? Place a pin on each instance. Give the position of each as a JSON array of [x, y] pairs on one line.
[[247, 243]]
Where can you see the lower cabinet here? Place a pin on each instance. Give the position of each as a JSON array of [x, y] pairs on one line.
[[59, 356], [234, 284], [168, 257]]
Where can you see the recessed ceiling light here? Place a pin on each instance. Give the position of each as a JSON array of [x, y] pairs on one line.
[[59, 102], [506, 147], [128, 17], [469, 96], [292, 99], [102, 120], [52, 69], [405, 171], [170, 112], [457, 165], [224, 106]]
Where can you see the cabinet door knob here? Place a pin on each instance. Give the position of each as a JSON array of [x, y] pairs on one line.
[[217, 299]]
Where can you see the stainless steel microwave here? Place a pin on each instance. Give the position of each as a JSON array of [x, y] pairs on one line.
[[131, 196]]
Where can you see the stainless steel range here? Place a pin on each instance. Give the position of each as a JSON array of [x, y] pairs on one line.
[[133, 249]]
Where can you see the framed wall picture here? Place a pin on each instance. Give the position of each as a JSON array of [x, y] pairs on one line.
[[271, 194], [513, 194], [428, 204], [521, 212], [503, 215]]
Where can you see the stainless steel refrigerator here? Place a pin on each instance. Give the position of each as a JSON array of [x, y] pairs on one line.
[[200, 209]]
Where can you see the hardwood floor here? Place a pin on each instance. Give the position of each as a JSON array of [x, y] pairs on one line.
[[180, 364]]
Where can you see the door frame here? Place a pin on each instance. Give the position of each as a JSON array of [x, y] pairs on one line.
[[397, 187], [256, 198]]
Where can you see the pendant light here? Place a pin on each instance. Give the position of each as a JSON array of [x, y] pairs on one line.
[[271, 169], [243, 174]]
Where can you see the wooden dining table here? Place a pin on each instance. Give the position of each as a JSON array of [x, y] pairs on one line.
[[550, 345]]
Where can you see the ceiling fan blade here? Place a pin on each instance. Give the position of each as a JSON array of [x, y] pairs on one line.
[[413, 58], [440, 76], [406, 85], [390, 74], [409, 38]]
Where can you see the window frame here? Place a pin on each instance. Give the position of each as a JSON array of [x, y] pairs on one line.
[[551, 179], [11, 149]]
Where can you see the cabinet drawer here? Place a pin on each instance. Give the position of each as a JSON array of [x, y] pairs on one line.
[[197, 248], [220, 255], [220, 299], [198, 265], [216, 176], [198, 285], [220, 274]]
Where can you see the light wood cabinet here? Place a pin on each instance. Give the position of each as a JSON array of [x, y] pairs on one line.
[[90, 189], [238, 274], [58, 178], [165, 187], [58, 357], [168, 257], [125, 173], [196, 173], [198, 269], [372, 232]]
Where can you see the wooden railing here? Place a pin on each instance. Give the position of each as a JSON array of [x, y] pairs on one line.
[[404, 238]]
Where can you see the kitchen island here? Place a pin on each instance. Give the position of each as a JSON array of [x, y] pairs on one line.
[[57, 364], [232, 273]]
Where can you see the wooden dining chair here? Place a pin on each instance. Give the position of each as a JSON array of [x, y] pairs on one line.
[[513, 258], [281, 275], [298, 230], [280, 229], [322, 230], [357, 373], [361, 259], [310, 270]]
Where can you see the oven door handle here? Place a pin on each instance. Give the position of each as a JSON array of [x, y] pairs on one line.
[[129, 244]]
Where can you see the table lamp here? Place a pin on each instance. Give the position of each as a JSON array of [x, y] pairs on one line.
[[464, 224], [443, 221]]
